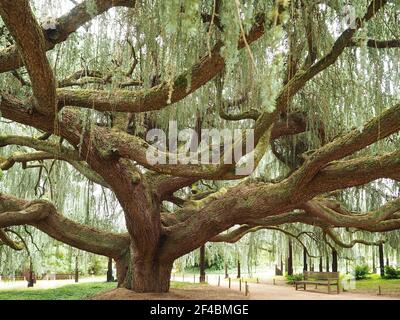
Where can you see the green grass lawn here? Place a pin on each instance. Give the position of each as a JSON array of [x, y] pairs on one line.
[[68, 292], [375, 280], [388, 286]]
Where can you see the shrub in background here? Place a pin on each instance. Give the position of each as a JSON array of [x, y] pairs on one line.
[[293, 278], [391, 273], [361, 272]]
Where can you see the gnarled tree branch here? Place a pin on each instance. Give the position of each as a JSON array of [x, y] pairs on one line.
[[42, 215]]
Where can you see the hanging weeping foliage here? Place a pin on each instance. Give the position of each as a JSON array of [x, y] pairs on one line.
[[314, 82]]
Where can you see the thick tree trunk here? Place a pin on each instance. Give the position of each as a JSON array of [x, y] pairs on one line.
[[381, 260], [147, 265], [334, 261], [150, 275], [124, 274], [305, 266], [202, 264], [290, 258]]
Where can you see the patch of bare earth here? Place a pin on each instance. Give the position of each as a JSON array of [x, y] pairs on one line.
[[189, 292]]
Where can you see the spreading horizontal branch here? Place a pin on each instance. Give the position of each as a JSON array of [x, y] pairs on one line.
[[236, 235], [335, 218], [48, 150], [335, 237], [23, 158], [356, 172], [83, 77], [43, 215], [121, 144], [5, 239], [41, 145], [376, 129], [378, 44], [163, 94], [272, 202]]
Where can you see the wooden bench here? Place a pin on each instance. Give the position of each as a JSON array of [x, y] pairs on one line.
[[319, 278], [63, 276]]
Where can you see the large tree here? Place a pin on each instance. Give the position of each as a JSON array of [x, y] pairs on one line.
[[303, 74]]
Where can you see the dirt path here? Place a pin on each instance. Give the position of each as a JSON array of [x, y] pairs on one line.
[[271, 292], [285, 292], [189, 292]]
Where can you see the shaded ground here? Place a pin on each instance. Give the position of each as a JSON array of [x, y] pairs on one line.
[[187, 292]]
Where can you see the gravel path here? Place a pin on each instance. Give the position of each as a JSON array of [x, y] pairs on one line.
[[264, 291], [271, 292]]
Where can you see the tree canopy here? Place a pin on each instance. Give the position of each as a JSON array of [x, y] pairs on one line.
[[83, 82]]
